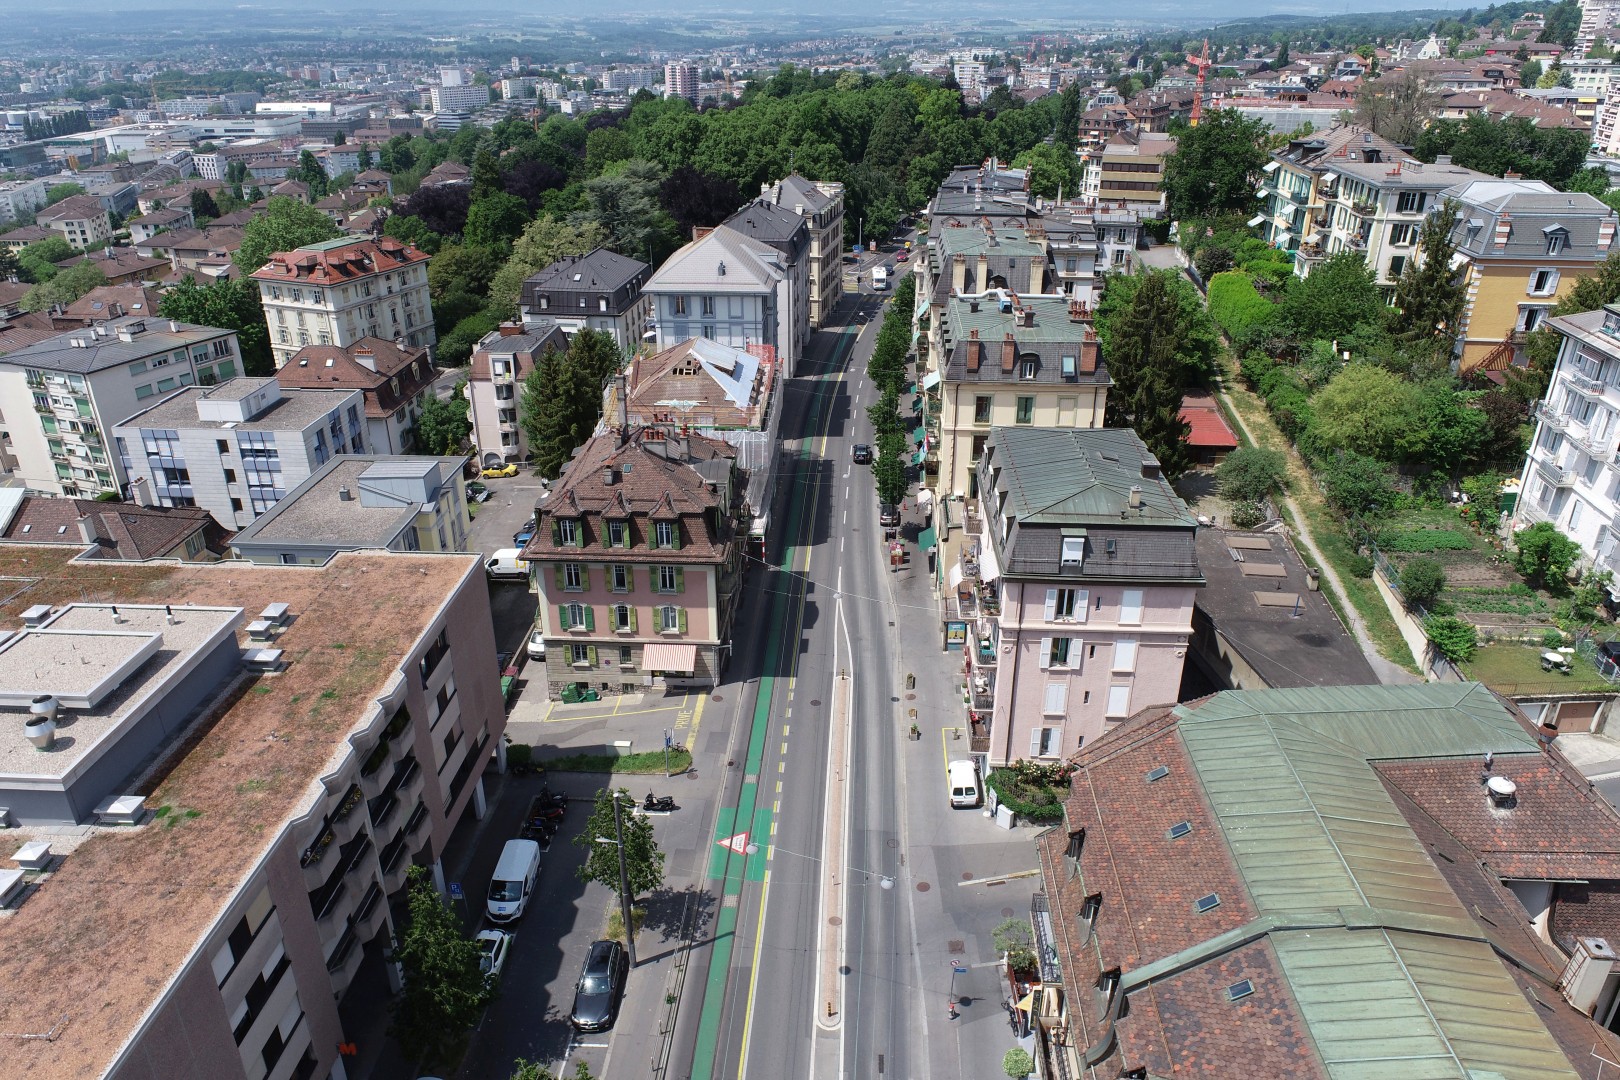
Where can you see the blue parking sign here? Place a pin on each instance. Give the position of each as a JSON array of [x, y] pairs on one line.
[[455, 890]]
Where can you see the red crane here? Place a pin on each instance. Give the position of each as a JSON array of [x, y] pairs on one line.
[[1202, 65]]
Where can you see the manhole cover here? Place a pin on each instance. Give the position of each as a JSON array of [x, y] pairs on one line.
[[835, 921], [815, 701], [1006, 912], [911, 697], [966, 876], [923, 886], [956, 946], [716, 697], [892, 842]]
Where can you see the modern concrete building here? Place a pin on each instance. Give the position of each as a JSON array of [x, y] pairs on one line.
[[1076, 588], [729, 288], [1327, 881], [599, 290], [1523, 245], [20, 198], [60, 397], [1569, 475], [1127, 171], [357, 503], [681, 81], [80, 219], [302, 804], [459, 99], [237, 448], [395, 379], [495, 379], [638, 563], [821, 204], [339, 291]]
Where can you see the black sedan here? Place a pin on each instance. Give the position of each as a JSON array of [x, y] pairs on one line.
[[601, 987], [861, 454]]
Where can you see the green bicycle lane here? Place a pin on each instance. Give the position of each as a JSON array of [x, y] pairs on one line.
[[750, 814]]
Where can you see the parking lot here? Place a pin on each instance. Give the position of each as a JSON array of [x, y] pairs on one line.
[[510, 504]]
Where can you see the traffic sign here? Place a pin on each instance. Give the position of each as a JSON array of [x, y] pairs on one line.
[[738, 843], [958, 967], [455, 890]]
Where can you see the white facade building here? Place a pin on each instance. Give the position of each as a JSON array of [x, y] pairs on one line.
[[681, 80], [459, 99], [19, 198]]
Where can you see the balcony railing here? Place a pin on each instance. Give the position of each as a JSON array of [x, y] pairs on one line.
[[1363, 209], [1552, 418], [1559, 475]]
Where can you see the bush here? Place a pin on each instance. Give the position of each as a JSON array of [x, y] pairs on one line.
[[1236, 305], [519, 754], [1552, 639], [1247, 515], [1017, 1063], [1359, 566], [1544, 554], [1032, 790], [1014, 938], [1422, 580], [1251, 474], [1357, 484], [1451, 637], [1425, 540]]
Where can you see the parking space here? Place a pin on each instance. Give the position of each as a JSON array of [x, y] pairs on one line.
[[511, 503]]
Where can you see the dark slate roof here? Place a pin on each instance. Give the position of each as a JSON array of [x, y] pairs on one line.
[[598, 271], [782, 229], [795, 190], [1058, 329], [1532, 207]]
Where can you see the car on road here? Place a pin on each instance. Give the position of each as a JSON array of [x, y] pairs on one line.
[[477, 493], [903, 256], [500, 470], [493, 945], [1610, 651], [522, 536], [888, 515], [861, 454], [537, 644], [600, 987]]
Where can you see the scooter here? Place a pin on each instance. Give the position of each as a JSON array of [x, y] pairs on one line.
[[665, 803], [555, 798]]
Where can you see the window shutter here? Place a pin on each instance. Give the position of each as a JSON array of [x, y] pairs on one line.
[[632, 620], [590, 650], [680, 616], [562, 616], [584, 576], [675, 534], [1051, 604], [1035, 743], [1057, 699], [1046, 653], [1082, 604], [590, 618], [1552, 282], [556, 533], [680, 578]]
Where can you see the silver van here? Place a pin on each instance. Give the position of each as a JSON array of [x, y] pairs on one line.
[[962, 777], [514, 880]]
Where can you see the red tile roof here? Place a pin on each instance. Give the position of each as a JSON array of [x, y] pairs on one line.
[[335, 266], [325, 367], [128, 531], [1209, 427]]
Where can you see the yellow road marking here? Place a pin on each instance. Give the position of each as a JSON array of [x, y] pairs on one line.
[[607, 715], [697, 718]]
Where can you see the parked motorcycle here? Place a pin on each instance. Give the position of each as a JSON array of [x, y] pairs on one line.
[[664, 803]]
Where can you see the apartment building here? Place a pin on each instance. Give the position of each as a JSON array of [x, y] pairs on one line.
[[681, 81], [821, 204], [728, 288], [395, 380], [638, 563], [19, 198], [80, 219], [339, 291], [304, 818], [459, 99], [61, 396], [1127, 171], [1524, 245], [600, 290], [1570, 475], [1077, 588], [495, 379], [359, 502], [780, 228], [1465, 821], [235, 449]]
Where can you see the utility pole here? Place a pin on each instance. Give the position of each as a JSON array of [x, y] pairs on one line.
[[624, 886]]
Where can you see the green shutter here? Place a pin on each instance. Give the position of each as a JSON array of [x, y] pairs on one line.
[[562, 582], [590, 651], [562, 616], [579, 532], [675, 533], [584, 576], [590, 617], [556, 533], [632, 620], [680, 616], [680, 580]]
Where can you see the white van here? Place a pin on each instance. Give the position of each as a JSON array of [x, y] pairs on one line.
[[962, 777], [514, 880], [506, 565]]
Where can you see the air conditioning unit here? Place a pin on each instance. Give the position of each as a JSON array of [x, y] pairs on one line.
[[1586, 977]]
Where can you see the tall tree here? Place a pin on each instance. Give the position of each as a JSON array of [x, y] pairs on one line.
[[1145, 362], [203, 206], [1340, 295], [65, 287], [442, 427], [544, 242], [445, 991], [311, 173], [495, 220], [625, 204], [1429, 296], [1397, 106], [643, 862], [1215, 165], [486, 175], [696, 198], [285, 224], [230, 304], [363, 159]]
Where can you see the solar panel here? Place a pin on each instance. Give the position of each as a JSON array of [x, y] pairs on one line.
[[1207, 903]]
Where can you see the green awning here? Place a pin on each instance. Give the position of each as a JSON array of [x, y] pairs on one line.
[[930, 380], [926, 540], [919, 434], [917, 458]]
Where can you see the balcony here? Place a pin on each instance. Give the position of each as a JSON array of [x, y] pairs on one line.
[[400, 790], [1311, 252], [1357, 243], [1557, 475], [1363, 209], [395, 859], [1555, 420], [1585, 384]]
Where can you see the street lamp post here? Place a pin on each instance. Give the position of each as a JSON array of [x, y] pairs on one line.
[[624, 883]]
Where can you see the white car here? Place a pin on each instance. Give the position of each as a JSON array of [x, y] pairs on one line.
[[493, 945], [537, 645]]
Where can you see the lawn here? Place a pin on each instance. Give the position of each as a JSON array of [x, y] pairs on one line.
[[647, 764], [1516, 669]]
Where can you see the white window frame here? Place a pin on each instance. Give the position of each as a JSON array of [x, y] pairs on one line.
[[573, 577], [1130, 607]]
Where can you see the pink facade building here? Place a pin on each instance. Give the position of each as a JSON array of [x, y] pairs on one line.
[[638, 563], [1081, 584]]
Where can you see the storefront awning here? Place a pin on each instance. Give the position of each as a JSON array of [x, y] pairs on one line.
[[919, 433], [669, 656], [930, 380], [917, 458], [927, 539]]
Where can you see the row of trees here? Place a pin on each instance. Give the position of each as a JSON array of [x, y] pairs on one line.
[[887, 369]]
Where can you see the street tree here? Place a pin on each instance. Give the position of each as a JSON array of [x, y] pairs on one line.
[[1215, 165], [230, 304], [1145, 360], [285, 224], [1429, 296], [443, 426], [445, 991], [643, 862]]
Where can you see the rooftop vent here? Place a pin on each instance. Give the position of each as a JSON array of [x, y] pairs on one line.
[[1504, 793], [1239, 990], [1158, 772], [36, 615], [40, 728], [1178, 830], [1207, 903], [345, 495]]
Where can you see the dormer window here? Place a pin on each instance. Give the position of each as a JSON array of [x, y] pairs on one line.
[[618, 534], [1557, 240], [545, 302], [664, 534], [568, 532], [1074, 550], [1027, 369]]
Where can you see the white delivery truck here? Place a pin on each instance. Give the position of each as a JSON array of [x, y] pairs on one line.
[[880, 277]]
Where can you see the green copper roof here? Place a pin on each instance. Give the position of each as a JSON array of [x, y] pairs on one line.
[[1069, 476], [971, 239], [1052, 322], [1393, 975]]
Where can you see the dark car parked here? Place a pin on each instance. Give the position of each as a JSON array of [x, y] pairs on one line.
[[600, 988], [861, 453]]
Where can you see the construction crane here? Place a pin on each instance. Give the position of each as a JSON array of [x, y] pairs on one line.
[[1202, 65]]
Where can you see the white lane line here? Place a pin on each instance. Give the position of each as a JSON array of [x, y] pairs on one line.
[[846, 517], [840, 545], [846, 491]]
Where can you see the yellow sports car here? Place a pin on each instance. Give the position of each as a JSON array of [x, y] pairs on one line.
[[504, 470]]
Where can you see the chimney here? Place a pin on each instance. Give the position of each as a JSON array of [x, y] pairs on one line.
[[140, 492], [1442, 159], [345, 495], [90, 529], [1009, 355], [981, 280], [1026, 317], [975, 351], [958, 273], [365, 357], [1150, 469], [510, 329], [1136, 496], [973, 306], [609, 475], [1088, 352], [1511, 175], [700, 231]]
